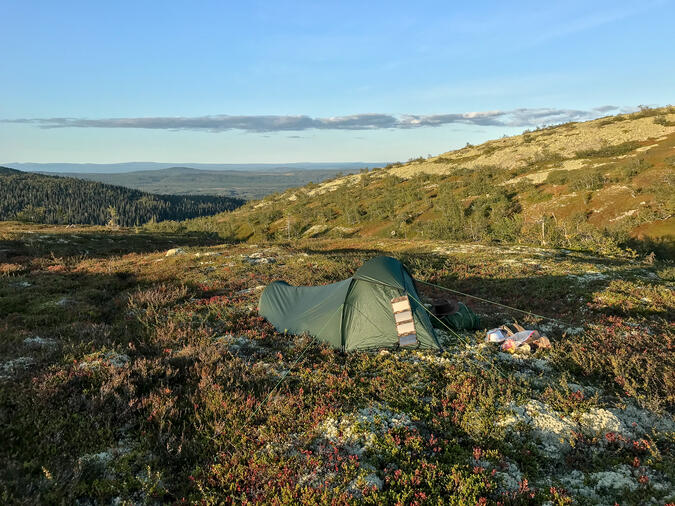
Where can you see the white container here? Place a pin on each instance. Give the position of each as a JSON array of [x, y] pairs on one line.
[[496, 336]]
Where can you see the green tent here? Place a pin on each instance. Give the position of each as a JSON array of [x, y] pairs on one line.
[[378, 307]]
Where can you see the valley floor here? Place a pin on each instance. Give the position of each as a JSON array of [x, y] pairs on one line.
[[134, 369]]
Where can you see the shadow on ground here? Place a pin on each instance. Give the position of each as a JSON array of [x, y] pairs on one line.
[[98, 244]]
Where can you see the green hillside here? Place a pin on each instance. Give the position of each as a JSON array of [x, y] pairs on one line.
[[57, 200], [603, 184]]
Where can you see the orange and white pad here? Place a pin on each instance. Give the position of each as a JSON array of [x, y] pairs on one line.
[[405, 323]]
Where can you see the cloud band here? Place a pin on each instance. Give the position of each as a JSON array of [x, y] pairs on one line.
[[369, 121]]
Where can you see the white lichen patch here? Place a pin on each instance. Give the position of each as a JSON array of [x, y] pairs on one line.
[[523, 361], [9, 368], [62, 301], [238, 344], [101, 463], [358, 432], [589, 277], [431, 358], [619, 480], [623, 215], [587, 390], [551, 430], [637, 422], [270, 369], [254, 289], [345, 230], [258, 258], [598, 422], [364, 482], [573, 331], [511, 477], [109, 358], [315, 230], [207, 254], [552, 328], [554, 431], [104, 457], [611, 486]]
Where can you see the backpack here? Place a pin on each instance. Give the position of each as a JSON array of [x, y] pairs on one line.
[[461, 319]]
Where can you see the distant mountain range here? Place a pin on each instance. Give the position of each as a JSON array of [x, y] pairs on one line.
[[247, 184], [98, 168]]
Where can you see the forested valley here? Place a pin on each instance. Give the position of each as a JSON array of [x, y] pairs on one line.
[[38, 198]]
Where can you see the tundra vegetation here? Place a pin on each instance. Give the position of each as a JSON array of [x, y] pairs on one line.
[[134, 369]]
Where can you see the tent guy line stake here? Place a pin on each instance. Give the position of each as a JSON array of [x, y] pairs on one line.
[[493, 302]]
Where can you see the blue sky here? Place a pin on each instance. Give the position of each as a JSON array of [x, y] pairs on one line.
[[235, 82]]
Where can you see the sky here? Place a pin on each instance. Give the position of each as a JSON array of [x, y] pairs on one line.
[[273, 81]]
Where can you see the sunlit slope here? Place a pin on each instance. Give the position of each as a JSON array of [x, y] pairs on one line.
[[609, 179]]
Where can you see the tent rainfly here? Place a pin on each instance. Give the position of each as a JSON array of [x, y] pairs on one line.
[[378, 307]]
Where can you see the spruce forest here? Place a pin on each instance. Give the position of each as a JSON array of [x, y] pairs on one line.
[[56, 200]]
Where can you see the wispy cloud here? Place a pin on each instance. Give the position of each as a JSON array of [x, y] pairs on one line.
[[595, 18], [368, 121]]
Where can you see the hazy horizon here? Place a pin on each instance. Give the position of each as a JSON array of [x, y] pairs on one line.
[[122, 167]]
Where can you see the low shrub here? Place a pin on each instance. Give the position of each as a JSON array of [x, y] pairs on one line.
[[609, 151], [558, 177]]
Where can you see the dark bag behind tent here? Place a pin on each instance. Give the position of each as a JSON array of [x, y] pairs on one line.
[[378, 307], [462, 318], [453, 314]]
